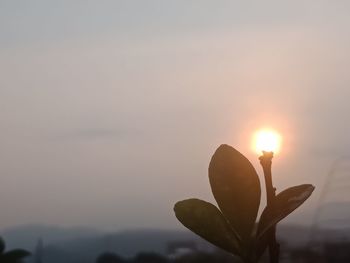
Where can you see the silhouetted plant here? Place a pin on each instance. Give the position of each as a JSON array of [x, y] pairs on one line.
[[236, 189], [12, 256]]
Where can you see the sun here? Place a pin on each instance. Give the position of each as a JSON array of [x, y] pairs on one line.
[[267, 140]]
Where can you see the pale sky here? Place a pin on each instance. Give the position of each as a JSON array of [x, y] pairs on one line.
[[111, 110]]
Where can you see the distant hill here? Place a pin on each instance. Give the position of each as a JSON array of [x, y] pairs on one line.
[[26, 236], [84, 244], [126, 243]]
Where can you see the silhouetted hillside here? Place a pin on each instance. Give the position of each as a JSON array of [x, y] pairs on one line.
[[26, 236], [85, 245]]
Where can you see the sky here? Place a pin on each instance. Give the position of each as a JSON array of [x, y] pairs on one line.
[[111, 110]]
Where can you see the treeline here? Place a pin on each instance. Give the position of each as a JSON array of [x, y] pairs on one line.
[[196, 257]]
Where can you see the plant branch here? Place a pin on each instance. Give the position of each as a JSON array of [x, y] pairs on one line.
[[266, 163]]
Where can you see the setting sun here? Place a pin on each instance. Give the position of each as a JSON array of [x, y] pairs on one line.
[[266, 140]]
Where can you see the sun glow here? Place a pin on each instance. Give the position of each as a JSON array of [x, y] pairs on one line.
[[266, 140]]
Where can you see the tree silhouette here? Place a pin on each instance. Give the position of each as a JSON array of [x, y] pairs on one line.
[[12, 256], [149, 257], [109, 257]]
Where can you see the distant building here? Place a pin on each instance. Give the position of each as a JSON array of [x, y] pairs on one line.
[[39, 251]]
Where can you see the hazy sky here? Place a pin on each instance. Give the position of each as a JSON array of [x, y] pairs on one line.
[[110, 110]]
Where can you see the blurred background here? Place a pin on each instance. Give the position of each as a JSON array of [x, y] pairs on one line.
[[111, 110]]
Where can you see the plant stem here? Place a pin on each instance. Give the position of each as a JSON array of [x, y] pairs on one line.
[[266, 163]]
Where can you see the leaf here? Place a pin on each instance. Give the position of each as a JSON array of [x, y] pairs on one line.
[[207, 221], [236, 188], [285, 203], [14, 256], [261, 245], [2, 245]]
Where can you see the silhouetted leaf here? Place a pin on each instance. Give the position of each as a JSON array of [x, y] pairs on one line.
[[236, 188], [207, 221], [261, 244], [2, 245], [285, 203], [14, 256]]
